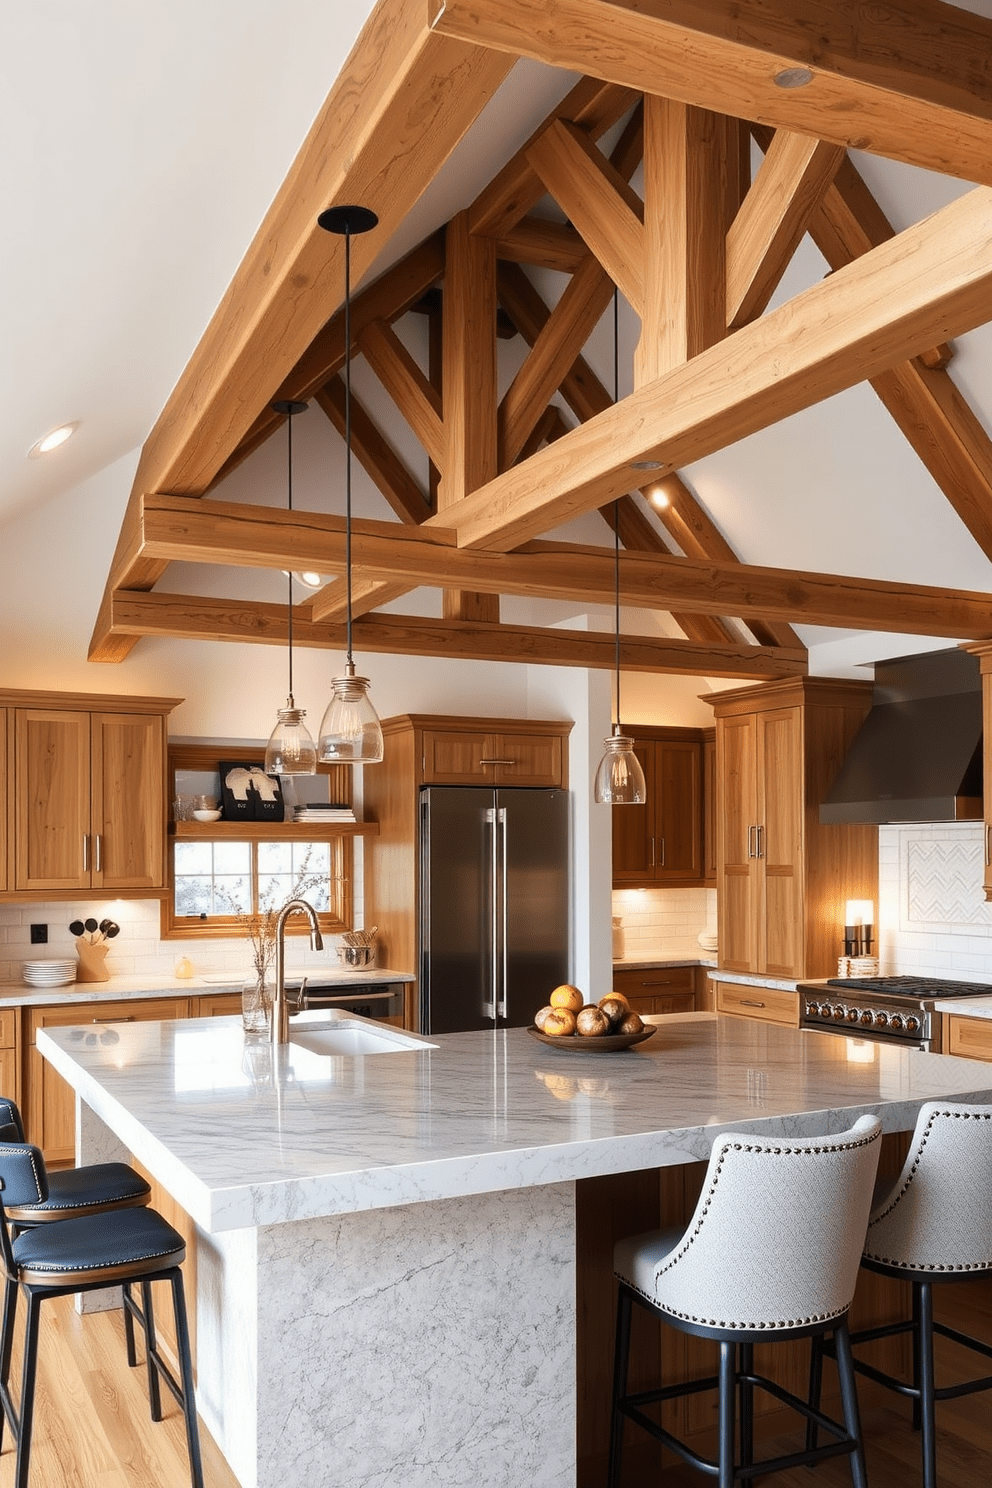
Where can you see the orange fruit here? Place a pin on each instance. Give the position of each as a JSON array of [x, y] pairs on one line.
[[559, 1023], [567, 996]]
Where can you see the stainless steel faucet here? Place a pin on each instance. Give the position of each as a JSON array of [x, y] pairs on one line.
[[279, 1031]]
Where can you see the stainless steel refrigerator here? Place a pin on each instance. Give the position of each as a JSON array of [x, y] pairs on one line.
[[494, 904]]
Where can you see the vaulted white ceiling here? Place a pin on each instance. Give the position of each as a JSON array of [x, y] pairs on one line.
[[140, 146]]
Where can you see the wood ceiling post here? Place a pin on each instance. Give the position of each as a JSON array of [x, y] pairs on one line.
[[469, 389], [688, 169]]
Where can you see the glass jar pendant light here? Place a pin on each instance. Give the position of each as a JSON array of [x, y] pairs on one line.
[[619, 778], [290, 750], [350, 731]]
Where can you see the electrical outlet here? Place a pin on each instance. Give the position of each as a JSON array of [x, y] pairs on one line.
[[39, 934]]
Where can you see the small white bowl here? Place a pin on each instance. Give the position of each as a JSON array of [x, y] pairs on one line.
[[207, 815]]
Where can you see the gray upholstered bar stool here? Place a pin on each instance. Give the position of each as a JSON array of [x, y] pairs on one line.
[[932, 1225], [771, 1252]]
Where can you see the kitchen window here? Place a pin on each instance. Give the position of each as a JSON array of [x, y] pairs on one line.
[[215, 882]]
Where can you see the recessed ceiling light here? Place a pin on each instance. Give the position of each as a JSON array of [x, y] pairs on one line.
[[660, 497], [645, 465], [53, 440], [793, 77], [311, 579]]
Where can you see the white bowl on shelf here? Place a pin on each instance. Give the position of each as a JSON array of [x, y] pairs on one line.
[[207, 816]]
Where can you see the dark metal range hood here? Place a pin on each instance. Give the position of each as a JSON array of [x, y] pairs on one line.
[[918, 754]]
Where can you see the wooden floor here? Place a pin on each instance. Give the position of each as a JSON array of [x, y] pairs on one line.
[[92, 1427], [93, 1430]]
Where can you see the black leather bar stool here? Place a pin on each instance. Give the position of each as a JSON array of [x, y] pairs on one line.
[[770, 1253], [95, 1188], [106, 1249], [932, 1226]]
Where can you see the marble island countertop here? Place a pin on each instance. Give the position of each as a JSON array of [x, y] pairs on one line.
[[243, 1134], [163, 984]]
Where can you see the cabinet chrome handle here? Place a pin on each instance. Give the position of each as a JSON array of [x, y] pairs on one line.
[[496, 762], [86, 853], [988, 844], [653, 864], [662, 863], [760, 853], [665, 982], [746, 1003], [130, 1018], [750, 842], [98, 855]]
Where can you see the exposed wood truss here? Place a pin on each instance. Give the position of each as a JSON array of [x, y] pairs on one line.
[[698, 256]]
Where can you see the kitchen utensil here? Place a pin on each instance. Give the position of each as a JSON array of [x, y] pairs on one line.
[[112, 930], [76, 927], [90, 925], [607, 1043]]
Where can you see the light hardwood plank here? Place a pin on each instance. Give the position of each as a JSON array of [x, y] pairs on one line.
[[903, 80], [375, 453], [406, 384]]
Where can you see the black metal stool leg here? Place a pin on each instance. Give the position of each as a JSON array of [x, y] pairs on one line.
[[154, 1389], [927, 1386], [747, 1405], [727, 1383], [6, 1346], [917, 1415], [621, 1355], [849, 1396], [186, 1380], [815, 1387], [28, 1375]]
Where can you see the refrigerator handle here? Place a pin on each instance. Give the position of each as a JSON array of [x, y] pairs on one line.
[[501, 831], [489, 1004]]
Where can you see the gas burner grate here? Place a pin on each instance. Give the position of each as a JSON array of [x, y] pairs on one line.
[[912, 986]]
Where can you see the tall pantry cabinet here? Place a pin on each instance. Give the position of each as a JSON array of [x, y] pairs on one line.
[[782, 878]]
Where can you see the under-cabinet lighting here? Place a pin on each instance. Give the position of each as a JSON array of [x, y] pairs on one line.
[[52, 440]]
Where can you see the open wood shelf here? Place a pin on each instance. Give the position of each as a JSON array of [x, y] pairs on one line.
[[254, 831]]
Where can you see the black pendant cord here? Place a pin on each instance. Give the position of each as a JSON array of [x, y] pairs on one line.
[[289, 507], [347, 431], [616, 508]]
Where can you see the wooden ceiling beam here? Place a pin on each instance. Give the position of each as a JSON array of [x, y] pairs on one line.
[[546, 245], [592, 105], [906, 80], [406, 384], [375, 454], [193, 617], [596, 199], [204, 531], [787, 190], [932, 281], [586, 396], [367, 144]]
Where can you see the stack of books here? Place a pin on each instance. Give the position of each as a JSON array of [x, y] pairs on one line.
[[310, 812]]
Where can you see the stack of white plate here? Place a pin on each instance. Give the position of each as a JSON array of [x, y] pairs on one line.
[[49, 973]]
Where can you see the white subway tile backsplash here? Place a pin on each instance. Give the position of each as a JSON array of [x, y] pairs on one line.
[[664, 921]]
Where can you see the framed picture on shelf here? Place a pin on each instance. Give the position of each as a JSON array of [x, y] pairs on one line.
[[248, 794]]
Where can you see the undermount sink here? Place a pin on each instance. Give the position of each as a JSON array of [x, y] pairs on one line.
[[347, 1034]]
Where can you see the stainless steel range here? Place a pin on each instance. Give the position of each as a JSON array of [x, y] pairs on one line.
[[888, 1009]]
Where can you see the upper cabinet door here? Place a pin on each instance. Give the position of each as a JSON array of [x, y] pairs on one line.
[[52, 848], [128, 795], [5, 785]]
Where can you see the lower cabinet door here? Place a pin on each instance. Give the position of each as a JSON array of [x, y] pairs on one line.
[[767, 1004], [51, 1107]]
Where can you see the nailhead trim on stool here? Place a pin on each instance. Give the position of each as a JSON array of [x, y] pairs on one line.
[[932, 1225], [771, 1252]]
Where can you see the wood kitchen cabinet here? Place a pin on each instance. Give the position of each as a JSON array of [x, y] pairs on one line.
[[6, 785], [767, 1004], [661, 989], [477, 754], [89, 794], [782, 877], [661, 842], [968, 1038]]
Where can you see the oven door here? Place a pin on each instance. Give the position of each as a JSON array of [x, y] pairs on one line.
[[383, 1002], [819, 1007]]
